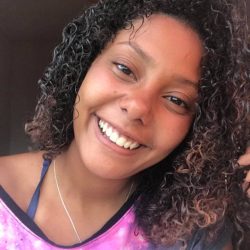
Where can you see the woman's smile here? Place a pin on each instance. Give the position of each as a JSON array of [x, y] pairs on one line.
[[116, 137]]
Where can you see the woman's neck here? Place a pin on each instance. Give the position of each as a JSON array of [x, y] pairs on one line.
[[76, 178]]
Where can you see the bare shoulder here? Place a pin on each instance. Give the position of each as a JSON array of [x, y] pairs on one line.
[[20, 165], [19, 175]]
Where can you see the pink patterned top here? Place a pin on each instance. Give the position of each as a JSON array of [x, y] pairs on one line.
[[14, 234], [18, 231]]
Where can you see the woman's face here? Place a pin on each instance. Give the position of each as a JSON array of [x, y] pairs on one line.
[[137, 100]]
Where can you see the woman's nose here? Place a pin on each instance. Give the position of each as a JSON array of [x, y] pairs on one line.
[[137, 107]]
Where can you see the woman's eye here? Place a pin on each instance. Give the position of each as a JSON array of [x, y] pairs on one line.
[[124, 71], [177, 101], [179, 105]]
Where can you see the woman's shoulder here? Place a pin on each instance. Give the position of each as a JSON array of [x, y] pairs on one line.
[[14, 167], [19, 174]]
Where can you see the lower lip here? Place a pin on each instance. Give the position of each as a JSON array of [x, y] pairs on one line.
[[110, 145]]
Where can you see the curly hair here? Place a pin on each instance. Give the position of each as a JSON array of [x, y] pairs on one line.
[[198, 185]]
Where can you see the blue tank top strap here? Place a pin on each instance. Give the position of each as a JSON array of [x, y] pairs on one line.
[[31, 211]]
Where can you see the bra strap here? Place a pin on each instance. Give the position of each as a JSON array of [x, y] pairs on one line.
[[35, 198]]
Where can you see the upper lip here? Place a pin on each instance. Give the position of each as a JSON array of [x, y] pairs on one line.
[[125, 133]]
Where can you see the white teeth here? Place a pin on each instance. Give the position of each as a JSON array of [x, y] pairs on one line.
[[115, 137], [109, 131], [127, 144], [134, 145], [101, 123], [105, 126], [120, 141]]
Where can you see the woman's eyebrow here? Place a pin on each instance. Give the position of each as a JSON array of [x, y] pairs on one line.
[[139, 51], [182, 80], [150, 60]]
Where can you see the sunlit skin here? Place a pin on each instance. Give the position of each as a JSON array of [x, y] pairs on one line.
[[144, 84]]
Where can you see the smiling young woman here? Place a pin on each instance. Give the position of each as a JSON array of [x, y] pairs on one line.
[[142, 97], [140, 122]]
